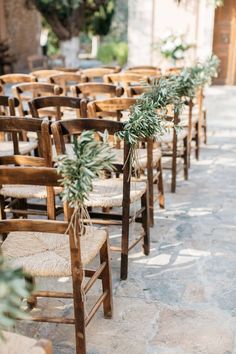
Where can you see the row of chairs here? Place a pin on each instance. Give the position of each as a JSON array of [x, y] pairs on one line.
[[40, 245]]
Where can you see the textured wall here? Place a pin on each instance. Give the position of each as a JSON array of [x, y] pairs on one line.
[[23, 31]]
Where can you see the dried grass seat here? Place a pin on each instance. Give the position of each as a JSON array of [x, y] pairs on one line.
[[48, 254], [25, 191], [16, 343]]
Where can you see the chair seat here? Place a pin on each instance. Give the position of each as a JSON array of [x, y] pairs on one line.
[[16, 343], [25, 147], [48, 254], [168, 137], [26, 191], [109, 192], [142, 156]]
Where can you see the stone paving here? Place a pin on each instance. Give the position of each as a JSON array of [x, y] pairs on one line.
[[182, 298]]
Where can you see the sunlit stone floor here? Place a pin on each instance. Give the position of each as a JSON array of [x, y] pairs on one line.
[[182, 298]]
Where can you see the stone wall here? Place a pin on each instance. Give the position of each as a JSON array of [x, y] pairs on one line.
[[23, 31]]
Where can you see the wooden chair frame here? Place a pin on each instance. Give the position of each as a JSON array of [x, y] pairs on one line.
[[64, 128], [49, 177], [113, 108], [14, 79], [66, 80], [58, 102], [97, 73]]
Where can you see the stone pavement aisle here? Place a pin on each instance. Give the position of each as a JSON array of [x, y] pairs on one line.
[[182, 298]]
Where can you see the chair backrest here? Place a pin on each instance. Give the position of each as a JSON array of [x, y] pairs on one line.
[[8, 105], [95, 90], [126, 79], [37, 62], [136, 91], [143, 67], [146, 72], [28, 91], [43, 75], [97, 73], [66, 80], [13, 79], [108, 108], [15, 126], [79, 106], [116, 68], [42, 176]]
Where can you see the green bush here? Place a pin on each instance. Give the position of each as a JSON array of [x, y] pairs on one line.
[[113, 51]]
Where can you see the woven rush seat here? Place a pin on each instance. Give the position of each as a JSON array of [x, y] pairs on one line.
[[25, 147], [48, 254], [15, 343], [26, 191], [142, 156], [109, 192]]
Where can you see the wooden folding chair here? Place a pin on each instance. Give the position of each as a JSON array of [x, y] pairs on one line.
[[63, 106], [50, 248], [66, 81], [14, 199], [112, 192], [149, 157]]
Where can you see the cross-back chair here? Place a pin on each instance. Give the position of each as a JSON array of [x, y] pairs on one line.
[[15, 199], [119, 193], [97, 74], [8, 80], [63, 106], [174, 146], [28, 91], [50, 248], [67, 80], [149, 157]]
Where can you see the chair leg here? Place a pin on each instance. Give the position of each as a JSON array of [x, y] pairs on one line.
[[197, 142], [205, 126], [160, 186], [145, 223], [2, 214], [173, 177], [51, 207], [124, 249], [186, 158], [106, 281], [79, 314], [32, 300], [151, 195]]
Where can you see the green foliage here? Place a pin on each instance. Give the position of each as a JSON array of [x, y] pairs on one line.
[[113, 51], [146, 117], [13, 287], [62, 8], [90, 158], [99, 22]]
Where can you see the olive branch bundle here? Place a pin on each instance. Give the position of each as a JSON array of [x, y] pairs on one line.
[[13, 288], [78, 171]]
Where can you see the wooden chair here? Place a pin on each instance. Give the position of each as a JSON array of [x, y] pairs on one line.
[[50, 248], [13, 79], [37, 62], [116, 68], [143, 67], [149, 157], [175, 146], [44, 75], [19, 195], [63, 105], [28, 91], [66, 81], [97, 74], [112, 192], [125, 79], [151, 73], [10, 143], [94, 90], [15, 343]]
